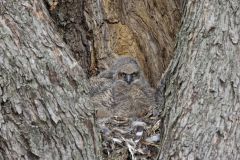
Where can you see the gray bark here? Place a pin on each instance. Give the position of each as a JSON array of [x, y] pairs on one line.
[[45, 111], [71, 20], [202, 107], [44, 100]]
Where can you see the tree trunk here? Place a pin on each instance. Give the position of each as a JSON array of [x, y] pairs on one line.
[[45, 108], [70, 17], [202, 107], [140, 28], [97, 31], [44, 100]]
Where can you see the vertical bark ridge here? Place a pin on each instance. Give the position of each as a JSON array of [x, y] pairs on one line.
[[202, 96], [45, 108]]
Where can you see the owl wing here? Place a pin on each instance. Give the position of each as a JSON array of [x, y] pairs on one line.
[[151, 99], [101, 96], [144, 100]]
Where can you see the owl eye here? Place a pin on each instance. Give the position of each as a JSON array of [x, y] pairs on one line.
[[121, 75], [135, 74]]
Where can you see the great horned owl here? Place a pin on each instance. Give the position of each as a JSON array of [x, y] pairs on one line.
[[123, 90]]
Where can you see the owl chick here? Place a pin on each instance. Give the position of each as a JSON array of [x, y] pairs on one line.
[[132, 95], [123, 90], [123, 98]]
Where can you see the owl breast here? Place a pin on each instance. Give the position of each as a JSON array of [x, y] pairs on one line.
[[130, 101]]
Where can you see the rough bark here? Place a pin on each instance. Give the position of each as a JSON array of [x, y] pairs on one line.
[[140, 28], [69, 17], [202, 107], [99, 30], [45, 111], [44, 103]]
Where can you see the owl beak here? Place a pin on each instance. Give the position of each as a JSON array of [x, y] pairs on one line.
[[129, 78]]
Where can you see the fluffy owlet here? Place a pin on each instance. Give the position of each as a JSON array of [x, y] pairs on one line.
[[122, 90], [124, 103]]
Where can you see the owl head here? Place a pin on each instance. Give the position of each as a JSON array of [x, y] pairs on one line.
[[127, 70]]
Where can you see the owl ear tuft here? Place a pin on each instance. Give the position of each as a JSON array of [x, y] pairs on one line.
[[106, 74]]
